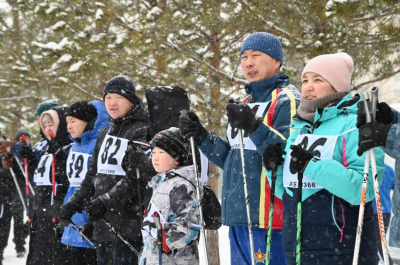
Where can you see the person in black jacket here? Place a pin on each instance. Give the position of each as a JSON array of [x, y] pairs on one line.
[[45, 247], [6, 198], [109, 189]]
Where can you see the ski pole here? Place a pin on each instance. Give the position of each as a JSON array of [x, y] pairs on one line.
[[18, 189], [156, 219], [299, 211], [271, 211], [140, 194], [25, 176], [193, 150], [246, 196], [374, 93], [120, 237], [82, 234]]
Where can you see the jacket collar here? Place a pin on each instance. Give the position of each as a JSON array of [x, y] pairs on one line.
[[260, 89]]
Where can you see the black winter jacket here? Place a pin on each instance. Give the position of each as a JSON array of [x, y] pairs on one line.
[[43, 210], [113, 190]]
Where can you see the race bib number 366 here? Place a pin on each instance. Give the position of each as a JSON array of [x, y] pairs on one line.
[[111, 154]]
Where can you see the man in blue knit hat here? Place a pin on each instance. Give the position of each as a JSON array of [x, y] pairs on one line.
[[264, 116]]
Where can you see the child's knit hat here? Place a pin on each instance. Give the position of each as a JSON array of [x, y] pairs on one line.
[[173, 143]]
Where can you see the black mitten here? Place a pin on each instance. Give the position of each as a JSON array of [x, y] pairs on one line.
[[242, 117], [189, 125], [300, 158], [384, 113], [371, 135], [134, 155], [87, 229], [272, 156], [68, 210], [26, 152]]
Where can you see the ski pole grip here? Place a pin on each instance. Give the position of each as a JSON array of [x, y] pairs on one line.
[[374, 100], [365, 98]]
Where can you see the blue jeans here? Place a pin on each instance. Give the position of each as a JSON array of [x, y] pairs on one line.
[[240, 246], [122, 255]]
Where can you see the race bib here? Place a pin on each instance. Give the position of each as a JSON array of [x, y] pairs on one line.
[[233, 133], [321, 146], [149, 229], [77, 165], [42, 176], [111, 154], [41, 145]]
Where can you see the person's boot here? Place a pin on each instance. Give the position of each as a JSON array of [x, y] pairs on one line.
[[20, 251]]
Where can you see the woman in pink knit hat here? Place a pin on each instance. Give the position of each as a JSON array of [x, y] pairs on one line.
[[323, 147]]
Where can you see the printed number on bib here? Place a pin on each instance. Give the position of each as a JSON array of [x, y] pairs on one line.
[[77, 165], [149, 229], [321, 146], [233, 133], [42, 176], [111, 154]]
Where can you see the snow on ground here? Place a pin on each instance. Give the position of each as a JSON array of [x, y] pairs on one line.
[[10, 255]]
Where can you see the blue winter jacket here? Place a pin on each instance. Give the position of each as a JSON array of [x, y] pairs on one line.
[[393, 149], [329, 214], [278, 113], [71, 237]]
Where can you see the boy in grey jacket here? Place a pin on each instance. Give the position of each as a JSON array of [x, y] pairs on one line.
[[172, 220]]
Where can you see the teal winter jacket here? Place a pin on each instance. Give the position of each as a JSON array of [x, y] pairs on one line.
[[330, 212]]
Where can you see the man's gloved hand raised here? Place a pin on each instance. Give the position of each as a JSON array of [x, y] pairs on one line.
[[134, 155], [96, 210], [300, 158], [384, 113], [242, 117], [189, 125], [272, 156]]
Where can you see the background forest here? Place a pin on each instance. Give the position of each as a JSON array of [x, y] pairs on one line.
[[68, 49]]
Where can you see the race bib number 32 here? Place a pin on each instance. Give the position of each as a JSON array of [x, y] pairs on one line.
[[111, 154]]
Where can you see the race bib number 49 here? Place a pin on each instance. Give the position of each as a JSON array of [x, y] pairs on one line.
[[111, 154], [77, 165]]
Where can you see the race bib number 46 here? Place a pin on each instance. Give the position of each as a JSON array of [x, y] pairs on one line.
[[321, 146], [111, 154]]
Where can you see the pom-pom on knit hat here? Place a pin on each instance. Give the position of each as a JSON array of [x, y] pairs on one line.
[[173, 143], [123, 86], [264, 42], [82, 110], [336, 68]]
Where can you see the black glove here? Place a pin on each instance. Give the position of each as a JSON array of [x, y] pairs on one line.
[[272, 156], [26, 152], [59, 229], [134, 155], [300, 158], [96, 210], [87, 229], [371, 135], [189, 125], [242, 117], [68, 210], [384, 113]]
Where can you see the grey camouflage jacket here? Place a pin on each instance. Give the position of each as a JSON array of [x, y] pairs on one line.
[[174, 199]]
